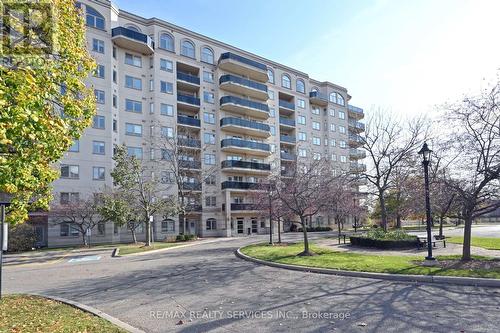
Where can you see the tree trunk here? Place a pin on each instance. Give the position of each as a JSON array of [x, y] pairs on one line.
[[306, 252], [279, 231], [84, 238], [467, 238], [134, 236], [383, 211], [441, 218], [148, 230], [398, 221]]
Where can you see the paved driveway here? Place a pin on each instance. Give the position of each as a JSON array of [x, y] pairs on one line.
[[209, 289]]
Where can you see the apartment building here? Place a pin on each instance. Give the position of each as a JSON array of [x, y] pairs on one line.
[[241, 115]]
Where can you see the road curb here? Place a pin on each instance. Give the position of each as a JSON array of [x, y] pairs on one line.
[[94, 311], [456, 280]]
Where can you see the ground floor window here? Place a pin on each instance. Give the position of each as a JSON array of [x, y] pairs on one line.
[[211, 224], [254, 226], [239, 225], [167, 226], [101, 228], [67, 229]]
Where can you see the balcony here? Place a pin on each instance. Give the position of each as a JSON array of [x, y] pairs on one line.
[[355, 112], [355, 140], [196, 165], [132, 40], [315, 97], [245, 146], [189, 142], [356, 167], [188, 121], [189, 102], [196, 186], [242, 86], [356, 154], [194, 208], [240, 65], [241, 206], [288, 139], [287, 173], [188, 79], [287, 106], [244, 126], [244, 106], [246, 166], [287, 156], [356, 126], [232, 185], [287, 123]]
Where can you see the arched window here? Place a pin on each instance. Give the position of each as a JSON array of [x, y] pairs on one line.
[[167, 42], [132, 27], [211, 224], [286, 82], [207, 55], [187, 49], [301, 86], [93, 18], [340, 100], [270, 75], [333, 97]]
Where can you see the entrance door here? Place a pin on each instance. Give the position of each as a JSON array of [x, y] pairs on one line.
[[255, 227], [239, 225], [40, 236]]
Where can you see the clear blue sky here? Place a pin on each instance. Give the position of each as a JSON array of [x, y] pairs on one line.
[[403, 55]]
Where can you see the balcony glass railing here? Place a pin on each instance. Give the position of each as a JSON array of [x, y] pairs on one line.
[[318, 95], [241, 206], [245, 165], [243, 81], [188, 99], [244, 102], [357, 153], [356, 124], [188, 121], [244, 123], [194, 208], [190, 164], [285, 104], [135, 35], [189, 142], [287, 156], [287, 121], [196, 186], [355, 109], [243, 60], [242, 185], [287, 138], [245, 144], [188, 78], [355, 138]]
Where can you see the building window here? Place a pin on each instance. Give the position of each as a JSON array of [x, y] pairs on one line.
[[70, 171], [187, 49], [207, 55], [343, 159], [101, 228], [75, 147], [115, 101], [209, 159], [332, 127], [270, 76], [97, 45], [99, 72], [166, 110], [98, 173], [316, 125], [167, 42], [211, 224], [301, 120], [316, 156], [302, 152], [67, 229], [334, 157], [93, 18], [302, 136], [133, 60], [301, 103], [135, 152], [208, 97], [151, 85], [342, 144], [315, 110], [69, 197], [340, 100], [166, 87], [341, 115], [332, 112], [167, 177], [342, 129], [270, 94], [333, 97], [209, 118], [286, 82], [300, 85], [98, 147], [99, 122], [167, 226], [133, 106], [99, 96], [211, 201], [273, 130], [166, 65], [316, 141], [166, 132], [272, 112], [208, 77], [210, 180], [133, 129], [133, 82], [209, 138], [151, 107], [272, 146], [333, 143], [115, 75]]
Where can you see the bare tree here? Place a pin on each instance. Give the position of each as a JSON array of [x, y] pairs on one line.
[[473, 157], [342, 201], [388, 143]]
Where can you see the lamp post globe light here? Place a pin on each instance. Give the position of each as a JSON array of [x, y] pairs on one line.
[[426, 159]]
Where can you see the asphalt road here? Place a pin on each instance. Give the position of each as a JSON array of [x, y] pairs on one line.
[[211, 290]]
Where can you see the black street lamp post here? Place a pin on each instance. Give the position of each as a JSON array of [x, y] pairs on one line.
[[426, 159]]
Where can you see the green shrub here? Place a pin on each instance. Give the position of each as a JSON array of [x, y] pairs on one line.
[[380, 234], [21, 238], [179, 238]]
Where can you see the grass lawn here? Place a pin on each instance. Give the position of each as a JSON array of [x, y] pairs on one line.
[[484, 242], [21, 313], [365, 262], [136, 248]]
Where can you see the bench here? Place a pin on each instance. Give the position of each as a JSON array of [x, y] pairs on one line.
[[422, 242]]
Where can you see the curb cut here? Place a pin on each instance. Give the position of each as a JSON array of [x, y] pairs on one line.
[[455, 280], [95, 312]]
